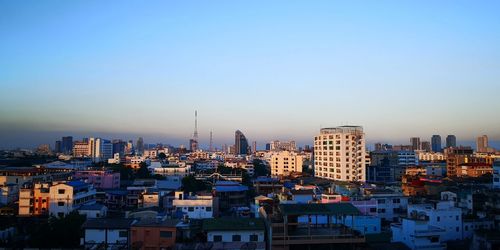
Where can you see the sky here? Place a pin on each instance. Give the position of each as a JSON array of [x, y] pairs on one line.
[[272, 69]]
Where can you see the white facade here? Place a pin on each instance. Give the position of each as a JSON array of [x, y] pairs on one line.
[[340, 154], [407, 158], [178, 169], [196, 207], [66, 197], [390, 207], [285, 162], [429, 225], [100, 149]]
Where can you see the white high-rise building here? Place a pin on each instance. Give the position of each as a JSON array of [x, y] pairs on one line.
[[100, 149], [339, 154]]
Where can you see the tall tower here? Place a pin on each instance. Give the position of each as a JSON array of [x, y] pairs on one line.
[[195, 135], [193, 143], [211, 147]]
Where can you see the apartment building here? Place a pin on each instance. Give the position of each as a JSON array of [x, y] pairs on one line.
[[200, 206], [68, 196], [283, 163], [340, 154]]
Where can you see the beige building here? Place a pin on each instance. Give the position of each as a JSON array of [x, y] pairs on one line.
[[339, 154], [286, 162], [431, 156], [81, 149]]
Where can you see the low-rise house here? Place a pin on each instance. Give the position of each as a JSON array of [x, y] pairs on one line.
[[230, 194], [101, 179], [68, 196], [200, 206], [93, 211], [153, 234], [107, 233], [235, 233], [315, 224]]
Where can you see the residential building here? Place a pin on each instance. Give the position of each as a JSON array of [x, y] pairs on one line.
[[340, 154], [313, 225], [283, 146], [34, 199], [283, 163], [9, 193], [67, 196], [230, 195], [101, 179], [153, 234], [139, 146], [200, 206], [431, 156], [496, 175], [476, 169], [429, 225], [93, 211], [100, 149], [425, 146], [235, 233], [81, 149], [108, 233], [482, 144]]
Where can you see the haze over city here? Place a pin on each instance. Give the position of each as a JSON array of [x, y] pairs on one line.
[[275, 70]]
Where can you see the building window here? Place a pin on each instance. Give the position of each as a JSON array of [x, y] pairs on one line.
[[61, 191], [438, 218], [236, 237], [254, 237], [217, 238], [61, 203], [165, 234], [396, 201], [381, 201], [208, 209], [190, 209], [123, 234]]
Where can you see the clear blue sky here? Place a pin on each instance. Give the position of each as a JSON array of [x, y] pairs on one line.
[[273, 69]]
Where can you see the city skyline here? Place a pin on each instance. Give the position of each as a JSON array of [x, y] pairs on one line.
[[271, 70]]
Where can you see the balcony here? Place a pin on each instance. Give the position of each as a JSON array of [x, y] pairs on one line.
[[302, 233]]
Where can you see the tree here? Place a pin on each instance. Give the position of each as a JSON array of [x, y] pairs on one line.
[[126, 173], [191, 184], [143, 171], [162, 156], [260, 168], [58, 232]]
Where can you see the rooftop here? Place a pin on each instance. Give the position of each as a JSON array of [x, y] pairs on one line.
[[108, 223], [319, 209], [233, 224]]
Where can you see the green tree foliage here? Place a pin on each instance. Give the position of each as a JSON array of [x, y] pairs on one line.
[[162, 156], [143, 171], [190, 184], [260, 168], [60, 232], [126, 173]]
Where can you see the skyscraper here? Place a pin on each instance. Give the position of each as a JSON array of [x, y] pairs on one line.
[[425, 146], [57, 148], [482, 144], [139, 146], [451, 141], [240, 143], [67, 144], [436, 143], [339, 154], [415, 143]]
